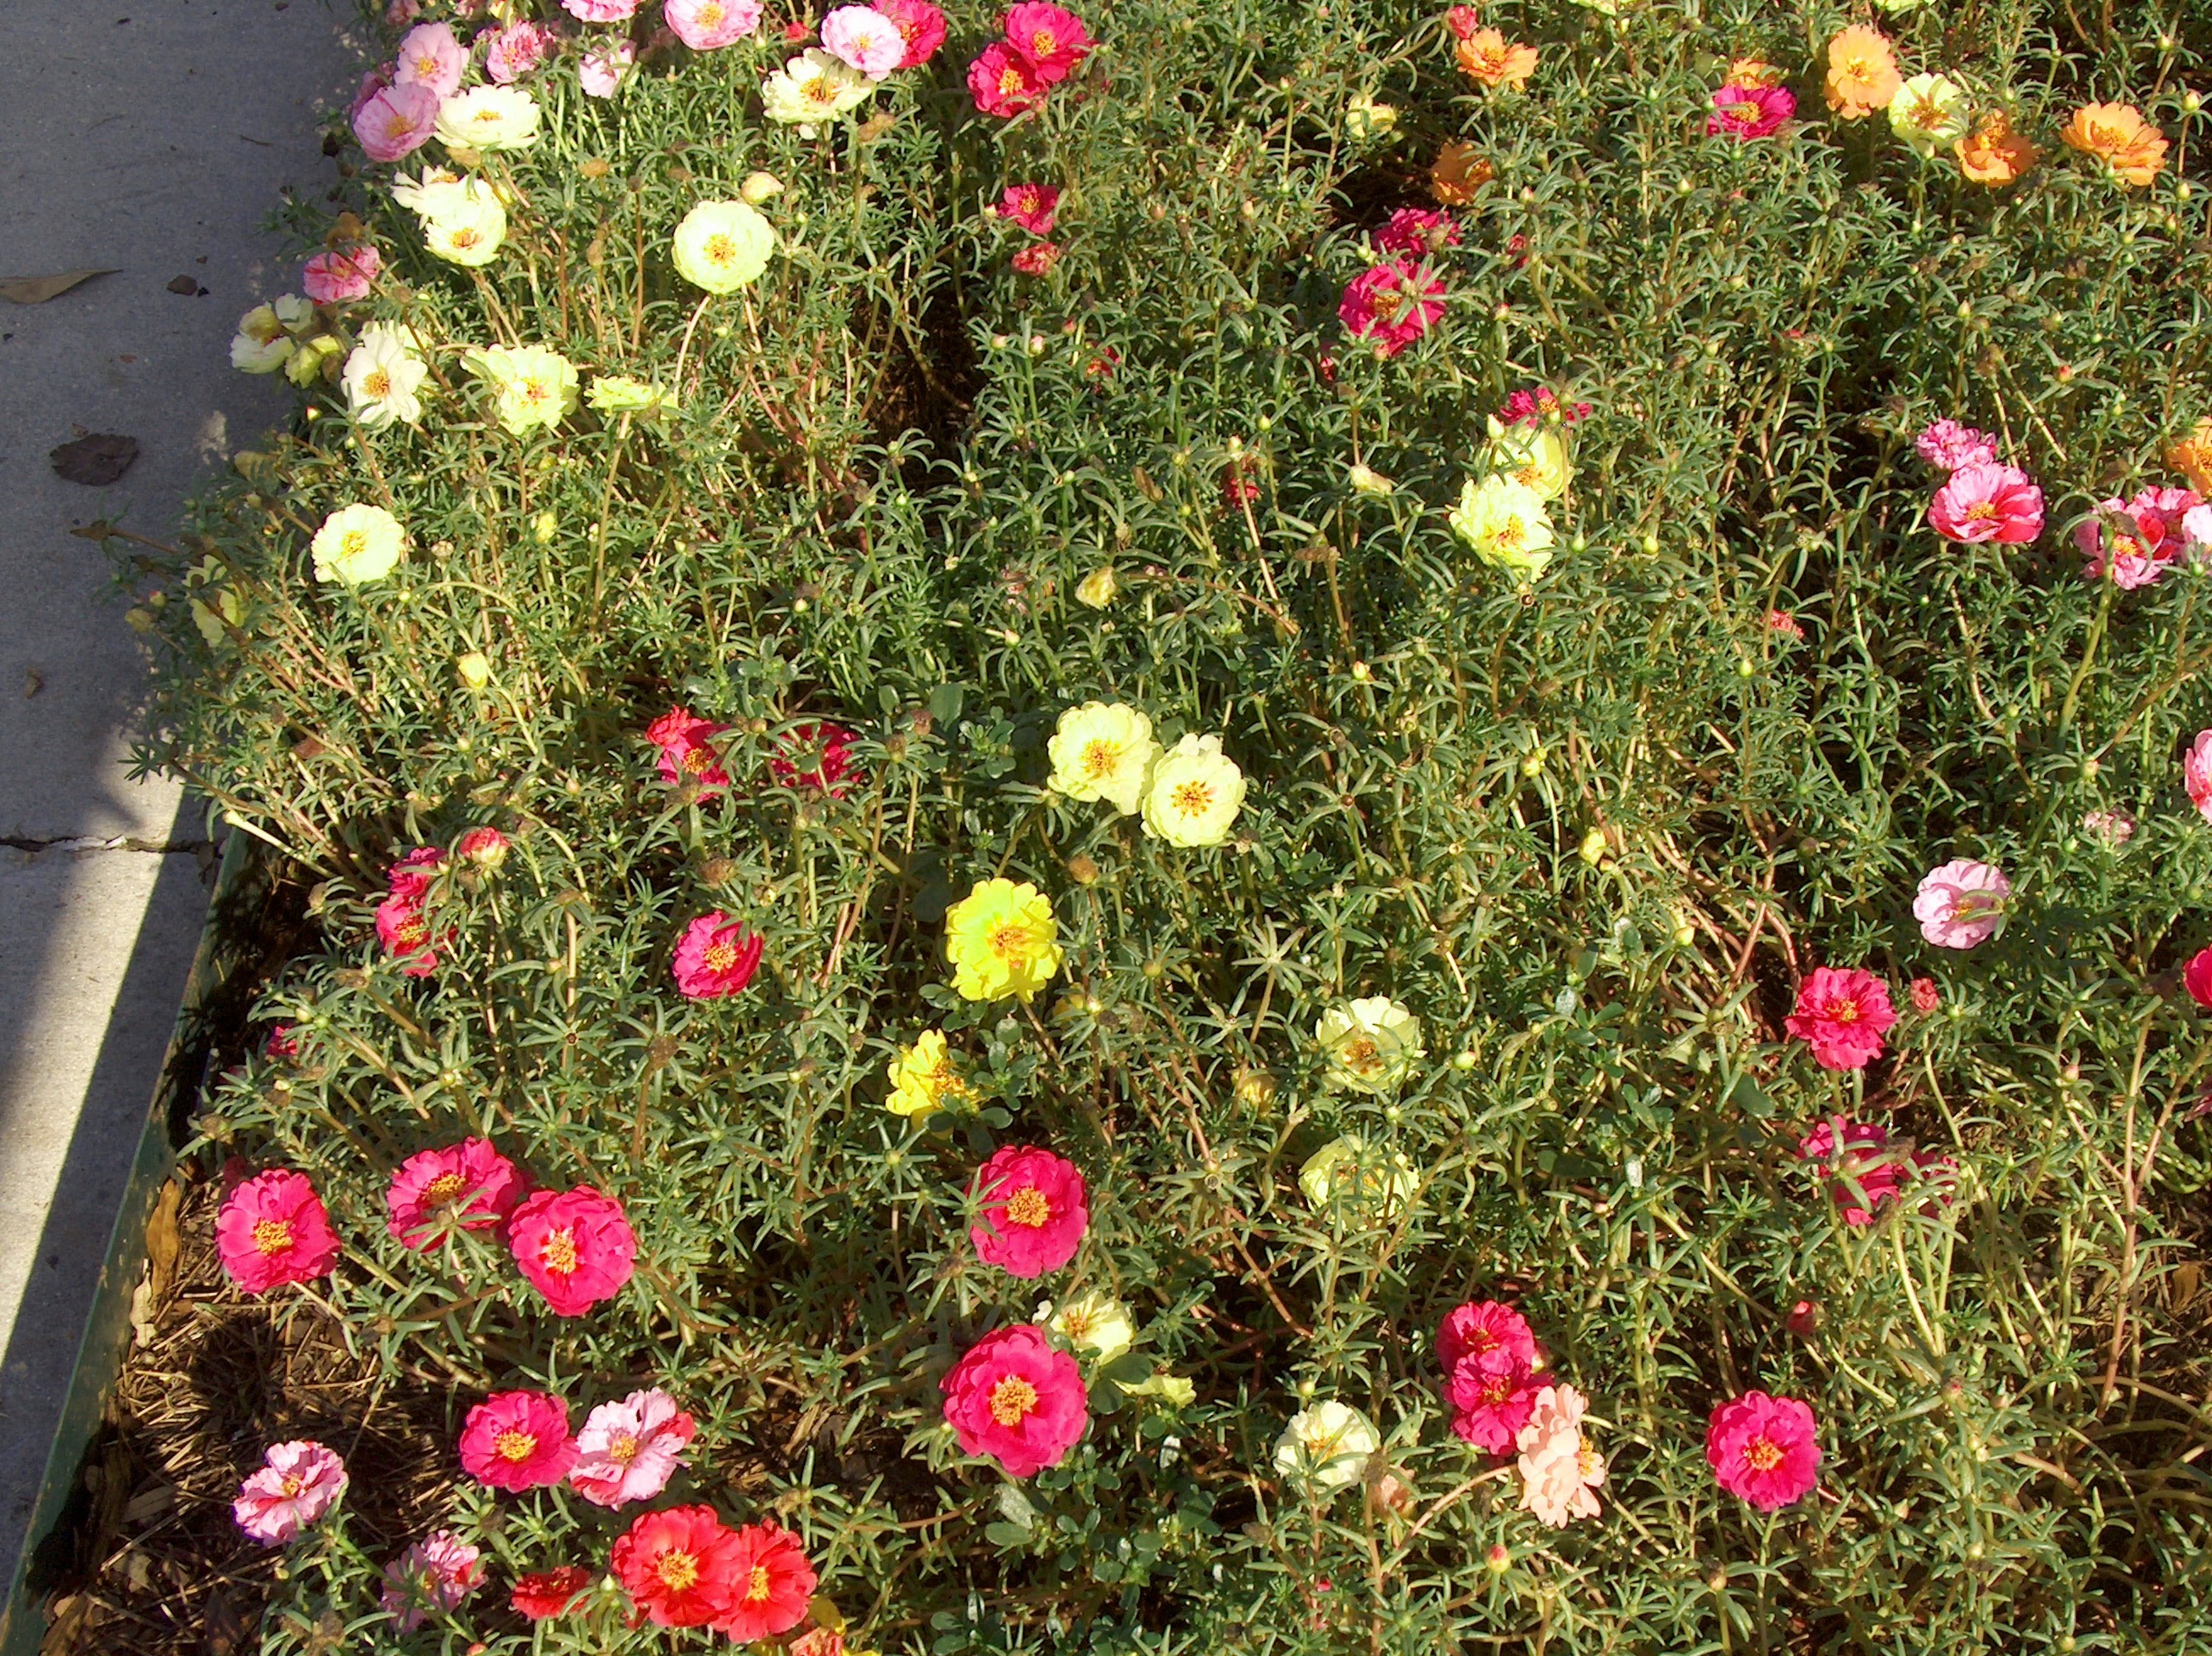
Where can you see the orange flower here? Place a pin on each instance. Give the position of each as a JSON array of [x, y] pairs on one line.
[[1993, 154], [2119, 136], [1485, 57], [1862, 74], [1752, 71], [2193, 457], [1458, 173]]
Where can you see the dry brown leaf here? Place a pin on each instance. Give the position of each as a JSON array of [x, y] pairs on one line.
[[96, 461], [37, 290], [163, 1239]]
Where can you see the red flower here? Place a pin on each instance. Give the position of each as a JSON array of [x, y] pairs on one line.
[[1861, 1179], [1236, 485], [470, 1184], [405, 931], [1486, 1329], [831, 749], [1843, 1014], [1392, 304], [679, 1566], [1764, 1449], [919, 24], [687, 750], [274, 1230], [1015, 1399], [1417, 230], [2196, 977], [1034, 1211], [1101, 367], [771, 1582], [575, 1247], [1004, 84], [410, 877], [1804, 1317], [547, 1592], [1052, 41], [1926, 997], [1030, 205], [1532, 404], [282, 1045], [517, 1440], [716, 957], [1037, 258]]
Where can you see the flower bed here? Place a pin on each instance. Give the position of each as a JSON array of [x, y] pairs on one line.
[[1270, 828]]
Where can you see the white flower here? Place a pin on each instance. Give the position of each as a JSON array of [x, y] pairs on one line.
[[417, 193], [489, 117], [1102, 751], [722, 245], [466, 229], [382, 376], [1326, 1445], [358, 544], [1194, 794], [812, 88]]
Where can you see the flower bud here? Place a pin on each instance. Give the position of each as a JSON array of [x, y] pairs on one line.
[[485, 847], [1082, 869], [1255, 1087], [1593, 846], [1365, 482], [1098, 589], [473, 670], [759, 187], [1498, 1560]]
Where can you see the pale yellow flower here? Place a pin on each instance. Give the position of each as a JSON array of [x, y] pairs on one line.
[[467, 229], [489, 117], [1326, 1445], [1093, 1322], [722, 245], [759, 187], [1102, 751], [1352, 1170], [473, 669], [304, 366], [1194, 794], [531, 387], [812, 88], [1930, 112], [1363, 117], [1372, 1044], [621, 393], [262, 343], [383, 377], [1504, 520], [1535, 456], [357, 544], [1095, 590]]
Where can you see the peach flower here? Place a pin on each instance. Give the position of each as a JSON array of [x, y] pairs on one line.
[[1862, 75]]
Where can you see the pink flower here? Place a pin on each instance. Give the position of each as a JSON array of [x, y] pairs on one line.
[[517, 49], [1392, 304], [1537, 403], [1003, 82], [1764, 1449], [601, 69], [1863, 1177], [405, 931], [1743, 112], [1491, 1363], [827, 751], [1486, 1329], [628, 1450], [1804, 1319], [516, 1441], [919, 24], [467, 1186], [485, 847], [334, 278], [687, 752], [1926, 997], [2138, 538], [1961, 903], [2196, 774], [1464, 22], [1782, 622], [708, 25], [600, 11], [1559, 1471], [435, 1574], [282, 1045], [864, 39], [296, 1484], [1017, 1399], [274, 1230], [2118, 827], [410, 876], [1415, 231], [1037, 258], [575, 1247], [2196, 530], [372, 82], [1947, 446], [432, 56], [1051, 40], [1030, 205], [1034, 1210], [1988, 502], [716, 957], [396, 121], [1843, 1013], [400, 13], [2195, 977]]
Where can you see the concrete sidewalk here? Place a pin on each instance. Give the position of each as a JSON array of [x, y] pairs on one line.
[[152, 135]]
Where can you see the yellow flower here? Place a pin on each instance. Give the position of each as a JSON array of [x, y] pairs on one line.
[[1096, 589], [1094, 1322], [1354, 1170], [1102, 751], [1001, 939], [467, 229], [1366, 482], [1532, 455], [533, 387], [2119, 136], [357, 544], [1194, 794], [1930, 113], [923, 1077], [1504, 520], [811, 88], [1862, 74], [723, 246], [488, 117], [1371, 1044]]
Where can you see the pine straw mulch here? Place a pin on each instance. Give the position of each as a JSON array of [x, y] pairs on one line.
[[155, 1566]]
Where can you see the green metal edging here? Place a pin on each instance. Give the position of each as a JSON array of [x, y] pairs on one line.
[[108, 1327]]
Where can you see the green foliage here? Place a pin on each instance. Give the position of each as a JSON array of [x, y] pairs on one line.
[[890, 466]]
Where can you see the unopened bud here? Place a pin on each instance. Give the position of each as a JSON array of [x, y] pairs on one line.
[[759, 186]]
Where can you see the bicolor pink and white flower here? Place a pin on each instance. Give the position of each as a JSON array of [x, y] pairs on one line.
[[1983, 502], [1961, 903], [295, 1485], [628, 1450]]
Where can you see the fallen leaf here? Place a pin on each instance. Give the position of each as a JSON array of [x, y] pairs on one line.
[[95, 460], [226, 1631], [149, 1504], [33, 682], [185, 285], [37, 290], [65, 1621], [162, 1238]]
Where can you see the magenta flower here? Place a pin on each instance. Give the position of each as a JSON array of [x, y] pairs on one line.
[[517, 49], [1749, 111], [467, 1186], [1532, 405], [1861, 1179], [274, 1230], [575, 1247], [2137, 539], [296, 1484], [436, 1573], [1415, 231], [1034, 1211], [1392, 304], [2196, 774], [708, 25], [1764, 1449], [431, 56], [601, 69], [410, 876], [919, 24], [517, 1440], [1946, 445], [716, 957], [1494, 1373], [628, 1450], [1988, 502], [396, 122], [1961, 903], [1842, 1015], [1003, 82], [687, 750], [1030, 205], [404, 930], [1051, 39], [334, 278]]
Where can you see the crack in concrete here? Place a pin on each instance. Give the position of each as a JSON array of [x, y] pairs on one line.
[[200, 848]]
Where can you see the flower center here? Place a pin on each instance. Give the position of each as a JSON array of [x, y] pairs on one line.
[[758, 1589], [353, 544], [721, 954], [377, 383], [467, 237], [1011, 81], [398, 126], [623, 1448], [822, 91], [1009, 942], [697, 761], [1587, 1462], [1029, 1207], [1076, 1324], [1193, 798], [1101, 758], [272, 1236], [1845, 1012], [1981, 511], [1512, 534], [1762, 1454], [558, 1254], [514, 1446], [414, 931], [292, 1485], [1011, 1399], [710, 15], [1362, 1053], [720, 250], [1043, 44], [677, 1570]]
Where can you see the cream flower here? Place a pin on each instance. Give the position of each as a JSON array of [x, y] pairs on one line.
[[357, 544], [1326, 1445], [533, 387], [261, 344], [1372, 1044], [620, 394], [1102, 751], [1504, 520], [1094, 1322], [382, 376], [489, 117], [924, 1078], [1194, 794], [305, 365], [216, 608], [416, 192], [1534, 456], [1930, 112], [723, 246], [812, 88], [1363, 117], [1095, 590], [1354, 1170], [466, 228]]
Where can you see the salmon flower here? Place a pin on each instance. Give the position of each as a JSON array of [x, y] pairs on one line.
[[2119, 136], [1993, 153], [1487, 59], [1862, 74]]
